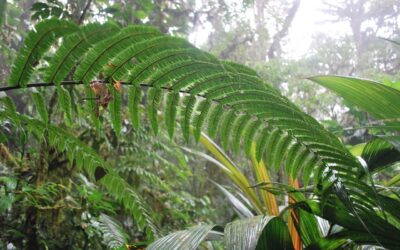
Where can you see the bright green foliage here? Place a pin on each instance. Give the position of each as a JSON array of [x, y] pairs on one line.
[[210, 91], [135, 96], [74, 48], [116, 110], [35, 45], [40, 105], [379, 100], [65, 103]]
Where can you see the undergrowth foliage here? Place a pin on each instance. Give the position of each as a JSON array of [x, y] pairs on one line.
[[229, 101]]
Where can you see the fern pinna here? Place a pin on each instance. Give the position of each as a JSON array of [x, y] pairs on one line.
[[225, 99]]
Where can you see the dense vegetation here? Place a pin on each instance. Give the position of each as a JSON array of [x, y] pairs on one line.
[[90, 157]]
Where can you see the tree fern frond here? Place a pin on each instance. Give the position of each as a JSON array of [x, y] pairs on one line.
[[237, 131], [115, 108], [91, 107], [41, 107], [265, 136], [127, 58], [65, 103], [135, 97], [101, 53], [250, 133], [154, 96], [239, 68], [227, 122], [203, 109], [213, 119], [189, 102], [35, 45], [144, 70], [74, 48], [180, 68], [170, 112]]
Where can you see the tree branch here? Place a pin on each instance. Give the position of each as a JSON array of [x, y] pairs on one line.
[[275, 48], [82, 17]]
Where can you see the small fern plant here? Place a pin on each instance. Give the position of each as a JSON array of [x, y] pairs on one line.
[[228, 101]]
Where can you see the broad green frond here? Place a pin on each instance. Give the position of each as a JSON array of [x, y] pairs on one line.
[[35, 45], [203, 108], [188, 239], [74, 48], [129, 57], [135, 97], [189, 102], [102, 53], [40, 105], [154, 96], [379, 100], [115, 108], [65, 103], [170, 112], [113, 233]]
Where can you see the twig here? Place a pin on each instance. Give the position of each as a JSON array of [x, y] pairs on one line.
[[82, 17]]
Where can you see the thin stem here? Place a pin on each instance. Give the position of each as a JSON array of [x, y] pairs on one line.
[[82, 17]]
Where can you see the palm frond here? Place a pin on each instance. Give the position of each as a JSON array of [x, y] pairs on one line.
[[113, 233], [188, 239]]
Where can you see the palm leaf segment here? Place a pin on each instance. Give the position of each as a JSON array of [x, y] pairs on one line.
[[200, 90]]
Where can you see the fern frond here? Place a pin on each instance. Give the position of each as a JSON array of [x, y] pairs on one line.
[[227, 122], [65, 103], [134, 54], [135, 97], [74, 48], [189, 102], [203, 109], [41, 107], [154, 96], [35, 45], [101, 53], [115, 109], [170, 112]]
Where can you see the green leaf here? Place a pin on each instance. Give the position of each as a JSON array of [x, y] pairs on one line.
[[188, 239], [116, 110], [65, 103], [379, 100], [135, 97], [170, 112], [40, 105], [74, 48], [35, 45], [112, 232], [190, 102], [203, 108], [275, 236], [153, 103], [245, 234]]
